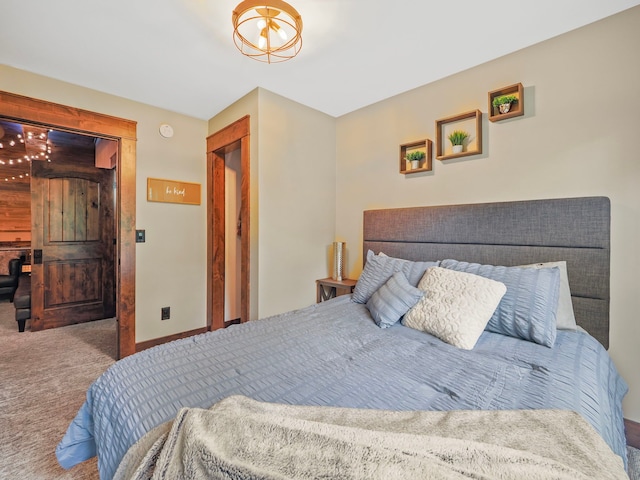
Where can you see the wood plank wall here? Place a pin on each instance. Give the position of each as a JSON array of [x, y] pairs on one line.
[[15, 212]]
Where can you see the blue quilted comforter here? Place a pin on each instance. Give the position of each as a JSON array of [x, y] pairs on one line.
[[333, 354]]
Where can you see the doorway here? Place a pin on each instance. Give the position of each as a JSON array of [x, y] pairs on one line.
[[228, 160], [58, 191], [50, 115]]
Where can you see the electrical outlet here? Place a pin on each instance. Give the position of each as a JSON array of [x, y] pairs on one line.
[[166, 313]]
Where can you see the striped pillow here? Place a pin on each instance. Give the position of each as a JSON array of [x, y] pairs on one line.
[[380, 268], [528, 309]]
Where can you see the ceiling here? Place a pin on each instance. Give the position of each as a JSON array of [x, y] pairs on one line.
[[179, 54], [22, 144]]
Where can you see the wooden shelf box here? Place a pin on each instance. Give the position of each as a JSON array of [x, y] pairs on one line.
[[425, 164], [471, 122], [517, 108]]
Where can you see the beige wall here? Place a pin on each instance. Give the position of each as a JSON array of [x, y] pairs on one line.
[[170, 265], [297, 201], [293, 183], [576, 138]]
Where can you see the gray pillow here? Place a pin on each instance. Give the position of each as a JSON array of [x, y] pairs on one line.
[[379, 268], [528, 309], [392, 300], [565, 317]]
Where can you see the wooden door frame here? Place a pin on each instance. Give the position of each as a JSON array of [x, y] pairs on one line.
[[230, 138], [53, 115]]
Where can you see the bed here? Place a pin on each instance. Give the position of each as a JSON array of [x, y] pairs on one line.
[[334, 355]]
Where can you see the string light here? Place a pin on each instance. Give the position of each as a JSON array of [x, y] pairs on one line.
[[36, 140]]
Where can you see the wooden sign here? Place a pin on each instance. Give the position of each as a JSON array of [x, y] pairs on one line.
[[171, 191]]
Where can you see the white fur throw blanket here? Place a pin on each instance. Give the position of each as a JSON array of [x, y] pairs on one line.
[[239, 438]]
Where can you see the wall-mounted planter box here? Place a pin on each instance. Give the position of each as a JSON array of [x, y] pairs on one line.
[[470, 122], [516, 109], [422, 146]]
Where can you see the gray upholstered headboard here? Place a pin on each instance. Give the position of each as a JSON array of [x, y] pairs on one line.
[[510, 233]]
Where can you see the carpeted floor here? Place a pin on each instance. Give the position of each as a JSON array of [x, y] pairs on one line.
[[44, 377]]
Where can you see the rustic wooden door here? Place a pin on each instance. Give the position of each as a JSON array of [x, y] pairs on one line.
[[72, 237]]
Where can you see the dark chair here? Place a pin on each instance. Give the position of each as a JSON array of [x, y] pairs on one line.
[[22, 302], [9, 283]]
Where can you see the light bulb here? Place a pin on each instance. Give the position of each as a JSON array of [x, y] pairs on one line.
[[282, 34], [262, 41], [262, 23]]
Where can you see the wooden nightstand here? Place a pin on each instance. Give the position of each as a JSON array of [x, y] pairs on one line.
[[329, 288]]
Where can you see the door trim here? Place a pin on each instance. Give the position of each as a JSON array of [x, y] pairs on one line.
[[230, 138], [48, 114]]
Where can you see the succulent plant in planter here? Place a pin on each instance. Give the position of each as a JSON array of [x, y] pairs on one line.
[[415, 157], [503, 102], [457, 138]]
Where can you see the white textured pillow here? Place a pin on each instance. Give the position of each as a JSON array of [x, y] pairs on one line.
[[456, 306], [565, 318]]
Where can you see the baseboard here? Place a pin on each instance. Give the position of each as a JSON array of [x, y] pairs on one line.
[[632, 431], [176, 336]]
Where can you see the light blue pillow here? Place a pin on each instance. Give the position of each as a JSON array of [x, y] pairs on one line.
[[392, 300], [528, 309], [379, 268]]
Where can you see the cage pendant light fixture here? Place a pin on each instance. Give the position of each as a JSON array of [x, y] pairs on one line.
[[267, 30]]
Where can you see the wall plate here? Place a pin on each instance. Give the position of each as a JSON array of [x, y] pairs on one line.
[[166, 130]]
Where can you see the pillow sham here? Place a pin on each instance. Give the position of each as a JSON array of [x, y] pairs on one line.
[[392, 300], [565, 317], [456, 306], [379, 268], [528, 309]]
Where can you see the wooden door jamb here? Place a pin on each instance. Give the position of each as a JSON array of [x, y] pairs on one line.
[[232, 137]]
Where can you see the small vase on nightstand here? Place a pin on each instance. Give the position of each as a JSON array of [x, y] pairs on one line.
[[338, 260]]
